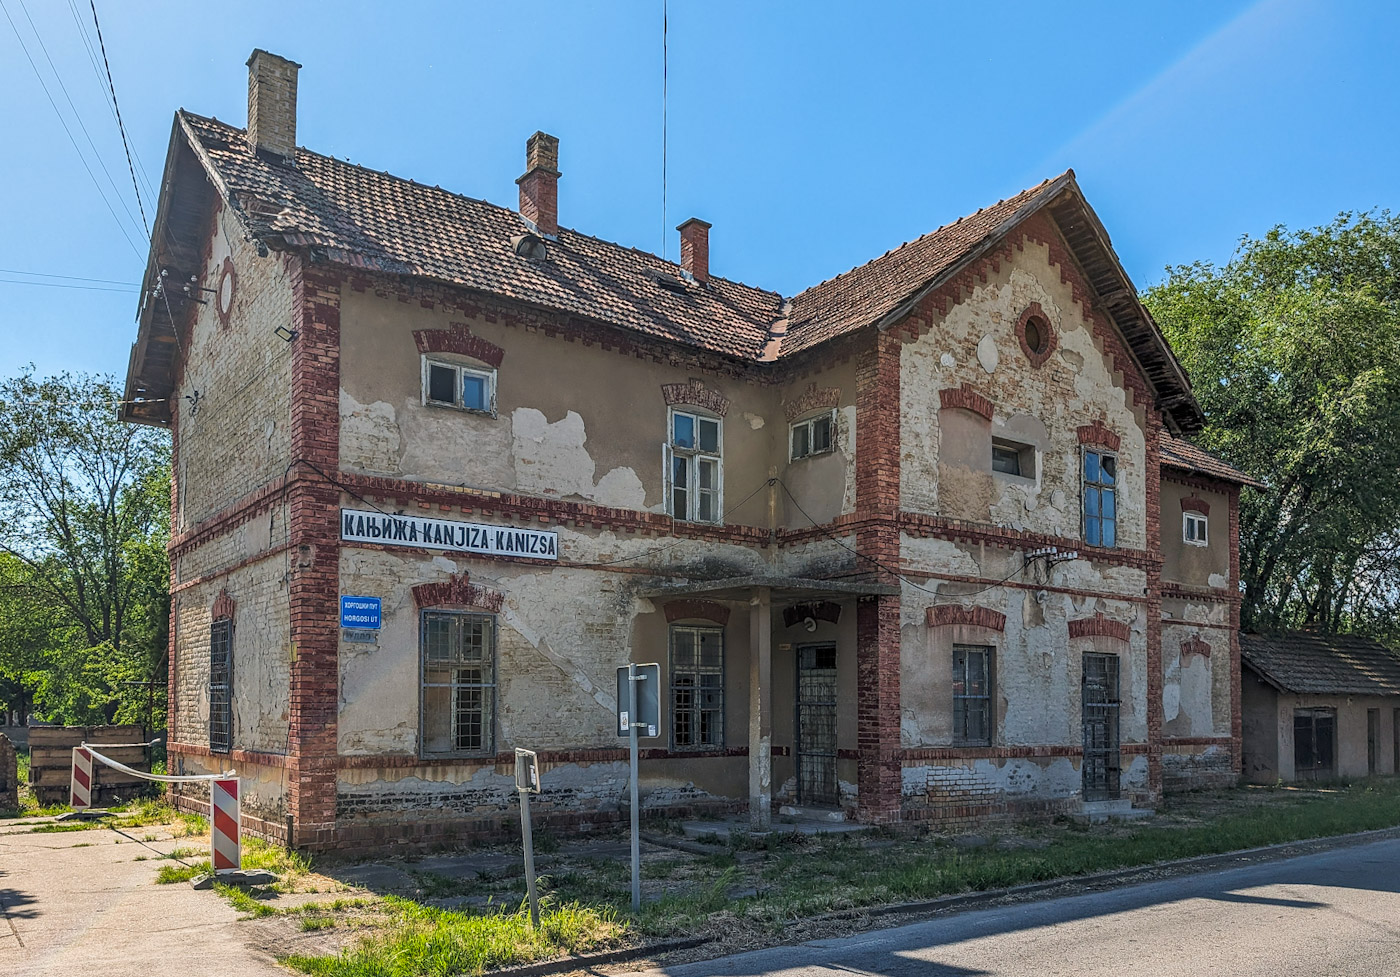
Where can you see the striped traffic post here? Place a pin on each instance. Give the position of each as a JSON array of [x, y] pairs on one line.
[[226, 853], [81, 793]]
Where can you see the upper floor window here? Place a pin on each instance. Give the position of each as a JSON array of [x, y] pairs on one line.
[[1193, 529], [694, 476], [1100, 498], [464, 387], [813, 436], [1013, 458]]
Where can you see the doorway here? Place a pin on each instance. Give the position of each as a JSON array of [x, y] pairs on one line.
[[816, 725], [1101, 707]]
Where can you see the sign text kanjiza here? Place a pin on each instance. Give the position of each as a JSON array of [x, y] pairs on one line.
[[358, 526]]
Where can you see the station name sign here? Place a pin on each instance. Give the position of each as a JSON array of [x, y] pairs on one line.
[[359, 526]]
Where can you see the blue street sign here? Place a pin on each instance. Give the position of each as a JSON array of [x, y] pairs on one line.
[[359, 612]]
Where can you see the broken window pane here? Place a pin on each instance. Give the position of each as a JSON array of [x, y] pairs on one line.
[[442, 384]]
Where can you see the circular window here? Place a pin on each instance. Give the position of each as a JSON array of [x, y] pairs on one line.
[[1037, 336], [223, 296]]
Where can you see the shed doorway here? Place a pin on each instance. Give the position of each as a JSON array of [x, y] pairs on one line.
[[816, 726], [1101, 708]]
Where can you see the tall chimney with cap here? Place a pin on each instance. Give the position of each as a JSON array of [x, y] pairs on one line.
[[695, 249], [272, 104], [539, 187]]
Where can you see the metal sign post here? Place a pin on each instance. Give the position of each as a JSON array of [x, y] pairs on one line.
[[642, 716], [527, 781]]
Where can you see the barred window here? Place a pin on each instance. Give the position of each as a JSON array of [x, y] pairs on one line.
[[972, 695], [457, 715], [697, 688], [221, 686]]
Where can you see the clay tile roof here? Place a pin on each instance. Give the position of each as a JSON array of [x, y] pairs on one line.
[[870, 292], [1184, 456], [1310, 662], [359, 216]]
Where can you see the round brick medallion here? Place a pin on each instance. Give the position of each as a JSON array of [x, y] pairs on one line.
[[223, 295], [1036, 335]]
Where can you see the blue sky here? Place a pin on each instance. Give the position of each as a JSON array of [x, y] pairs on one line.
[[814, 136]]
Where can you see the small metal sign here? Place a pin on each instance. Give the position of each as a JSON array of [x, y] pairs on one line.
[[359, 612], [527, 771], [648, 718]]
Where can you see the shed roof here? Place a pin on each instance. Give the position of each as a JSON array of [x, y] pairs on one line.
[[1311, 662], [1184, 456]]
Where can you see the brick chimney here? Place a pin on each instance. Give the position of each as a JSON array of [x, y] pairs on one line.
[[695, 249], [272, 104], [539, 187]]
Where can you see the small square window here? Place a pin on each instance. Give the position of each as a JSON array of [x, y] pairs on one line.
[[1013, 458], [1194, 529], [464, 387], [813, 436]]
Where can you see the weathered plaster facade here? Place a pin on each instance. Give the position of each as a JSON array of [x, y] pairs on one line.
[[840, 585]]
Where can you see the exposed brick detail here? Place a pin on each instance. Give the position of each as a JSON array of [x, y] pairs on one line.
[[1156, 718], [1236, 680], [1099, 626], [978, 617], [1195, 646], [704, 610], [539, 187], [460, 340], [315, 558], [1099, 434], [879, 779], [812, 399], [967, 531], [1195, 504], [458, 591], [967, 398], [825, 610], [694, 393], [223, 607], [1049, 339], [695, 249]]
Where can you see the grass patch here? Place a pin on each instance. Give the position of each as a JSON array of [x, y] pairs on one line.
[[434, 941], [312, 923], [170, 874]]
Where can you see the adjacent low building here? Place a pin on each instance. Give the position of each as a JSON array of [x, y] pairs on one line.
[[1319, 707], [925, 541]]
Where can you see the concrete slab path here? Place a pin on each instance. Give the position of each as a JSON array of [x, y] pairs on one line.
[[79, 903]]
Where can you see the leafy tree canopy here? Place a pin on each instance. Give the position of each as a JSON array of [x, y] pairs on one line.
[[1293, 349]]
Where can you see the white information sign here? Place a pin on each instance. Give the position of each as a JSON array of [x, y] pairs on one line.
[[360, 526]]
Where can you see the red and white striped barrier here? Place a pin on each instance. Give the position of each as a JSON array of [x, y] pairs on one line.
[[82, 779], [226, 851]]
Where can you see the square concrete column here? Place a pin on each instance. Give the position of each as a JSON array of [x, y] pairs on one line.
[[761, 709]]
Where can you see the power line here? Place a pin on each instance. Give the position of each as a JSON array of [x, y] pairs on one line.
[[69, 132], [117, 110], [80, 288], [67, 278]]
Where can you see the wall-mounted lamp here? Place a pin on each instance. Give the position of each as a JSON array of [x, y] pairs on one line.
[[285, 333]]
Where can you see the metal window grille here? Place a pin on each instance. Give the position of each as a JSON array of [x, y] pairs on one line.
[[816, 725], [1101, 706], [693, 468], [221, 686], [697, 688], [1100, 498], [458, 689], [1373, 735], [972, 695]]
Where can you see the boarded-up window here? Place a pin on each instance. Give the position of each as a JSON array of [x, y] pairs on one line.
[[459, 684], [221, 686]]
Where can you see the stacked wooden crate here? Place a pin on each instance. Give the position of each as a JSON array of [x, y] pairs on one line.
[[51, 762]]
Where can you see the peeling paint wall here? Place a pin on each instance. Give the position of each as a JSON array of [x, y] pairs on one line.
[[1186, 563], [1196, 693], [946, 463]]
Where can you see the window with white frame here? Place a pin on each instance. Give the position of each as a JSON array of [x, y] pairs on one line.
[[1100, 498], [448, 384], [694, 472], [1193, 528], [813, 436], [457, 712]]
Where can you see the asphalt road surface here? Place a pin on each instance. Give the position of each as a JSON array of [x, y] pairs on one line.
[[1334, 913]]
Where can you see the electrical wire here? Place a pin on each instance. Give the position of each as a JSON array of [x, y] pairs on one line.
[[69, 132], [67, 278], [111, 86], [81, 288]]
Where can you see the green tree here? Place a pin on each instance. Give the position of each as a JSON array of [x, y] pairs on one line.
[[84, 577], [1293, 349]]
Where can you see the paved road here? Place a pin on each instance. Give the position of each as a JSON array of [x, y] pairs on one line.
[[1335, 913], [79, 903]]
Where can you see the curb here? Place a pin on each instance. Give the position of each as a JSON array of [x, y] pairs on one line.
[[563, 965]]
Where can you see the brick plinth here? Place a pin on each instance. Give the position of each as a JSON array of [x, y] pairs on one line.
[[315, 557]]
